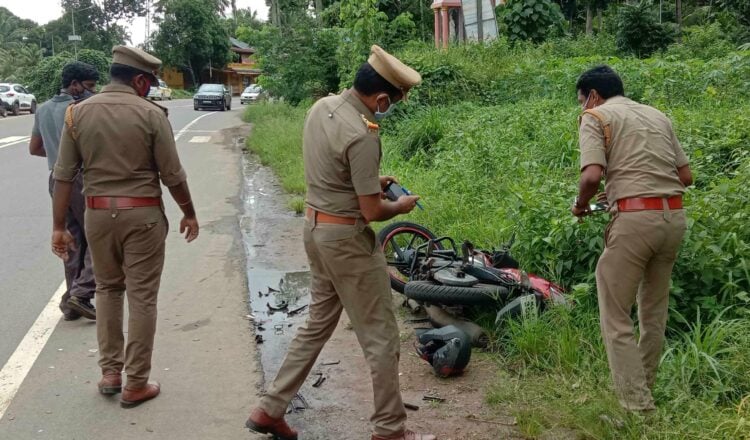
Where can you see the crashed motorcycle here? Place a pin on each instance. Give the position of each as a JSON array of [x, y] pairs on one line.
[[434, 270]]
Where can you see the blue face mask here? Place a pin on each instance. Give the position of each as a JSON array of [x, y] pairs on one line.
[[380, 115]]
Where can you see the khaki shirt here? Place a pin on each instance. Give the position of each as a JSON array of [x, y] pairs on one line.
[[342, 155], [644, 154], [124, 144]]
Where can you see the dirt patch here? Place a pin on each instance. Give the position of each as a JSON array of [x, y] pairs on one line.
[[340, 406]]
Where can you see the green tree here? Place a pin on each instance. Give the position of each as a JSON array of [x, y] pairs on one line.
[[364, 24], [640, 33], [44, 80], [16, 44], [533, 20], [298, 61], [191, 37]]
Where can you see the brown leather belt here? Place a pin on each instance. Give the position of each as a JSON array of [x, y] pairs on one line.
[[121, 202], [648, 204], [322, 217]]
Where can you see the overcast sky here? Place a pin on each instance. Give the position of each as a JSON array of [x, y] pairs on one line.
[[43, 11]]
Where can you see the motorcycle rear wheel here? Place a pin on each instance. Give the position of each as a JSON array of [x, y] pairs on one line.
[[435, 293]]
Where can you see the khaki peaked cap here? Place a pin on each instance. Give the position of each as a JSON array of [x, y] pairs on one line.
[[394, 71], [134, 57]]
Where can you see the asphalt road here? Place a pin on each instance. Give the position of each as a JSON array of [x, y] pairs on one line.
[[202, 304]]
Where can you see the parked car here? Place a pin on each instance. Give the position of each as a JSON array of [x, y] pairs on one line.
[[15, 98], [212, 96], [160, 92], [252, 93]]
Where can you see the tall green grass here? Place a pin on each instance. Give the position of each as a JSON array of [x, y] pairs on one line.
[[277, 139], [557, 378]]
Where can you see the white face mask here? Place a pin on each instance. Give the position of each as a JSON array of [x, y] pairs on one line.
[[380, 115]]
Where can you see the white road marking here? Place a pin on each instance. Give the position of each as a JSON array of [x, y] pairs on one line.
[[199, 139], [187, 127], [20, 362], [13, 140]]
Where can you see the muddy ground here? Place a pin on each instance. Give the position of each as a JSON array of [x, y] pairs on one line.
[[340, 407]]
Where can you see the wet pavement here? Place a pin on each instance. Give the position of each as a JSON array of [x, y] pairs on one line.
[[279, 304]]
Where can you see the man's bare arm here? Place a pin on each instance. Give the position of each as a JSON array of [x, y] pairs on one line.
[[686, 176], [62, 241], [36, 147], [189, 224]]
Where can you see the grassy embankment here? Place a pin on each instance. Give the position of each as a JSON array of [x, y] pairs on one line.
[[489, 142]]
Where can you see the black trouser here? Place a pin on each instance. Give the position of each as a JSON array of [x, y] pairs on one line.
[[79, 273]]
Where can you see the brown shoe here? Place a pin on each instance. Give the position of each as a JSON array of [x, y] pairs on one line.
[[134, 397], [111, 383], [262, 423], [406, 435]]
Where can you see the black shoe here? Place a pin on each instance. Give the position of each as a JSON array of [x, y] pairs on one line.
[[82, 306], [71, 315]]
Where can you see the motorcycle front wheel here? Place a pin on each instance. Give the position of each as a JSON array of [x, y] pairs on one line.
[[436, 293], [398, 241]]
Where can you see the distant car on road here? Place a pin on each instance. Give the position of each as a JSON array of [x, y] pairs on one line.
[[212, 96], [15, 98], [160, 92], [252, 93]]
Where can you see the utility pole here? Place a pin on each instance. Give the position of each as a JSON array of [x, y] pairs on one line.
[[75, 38], [148, 25], [75, 41], [480, 21]]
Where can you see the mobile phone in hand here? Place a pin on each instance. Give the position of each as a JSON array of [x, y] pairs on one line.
[[393, 191]]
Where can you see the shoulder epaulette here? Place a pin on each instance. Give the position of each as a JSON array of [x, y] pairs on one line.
[[371, 126], [606, 128]]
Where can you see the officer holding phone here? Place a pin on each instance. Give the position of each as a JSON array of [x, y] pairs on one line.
[[341, 148]]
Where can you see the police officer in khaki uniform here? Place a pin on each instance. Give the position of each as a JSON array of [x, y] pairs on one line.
[[125, 145], [646, 171], [341, 148]]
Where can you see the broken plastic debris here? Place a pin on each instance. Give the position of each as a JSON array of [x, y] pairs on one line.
[[283, 305], [319, 381], [297, 310], [94, 350]]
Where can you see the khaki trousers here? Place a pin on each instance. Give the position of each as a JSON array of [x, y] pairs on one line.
[[348, 272], [127, 247], [641, 248]]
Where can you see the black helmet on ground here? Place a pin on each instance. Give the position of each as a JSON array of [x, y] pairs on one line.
[[447, 349]]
